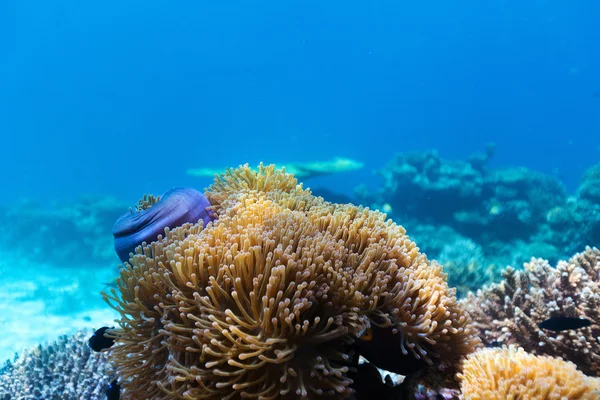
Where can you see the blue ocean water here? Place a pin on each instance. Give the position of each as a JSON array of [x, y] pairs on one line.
[[103, 102], [122, 97]]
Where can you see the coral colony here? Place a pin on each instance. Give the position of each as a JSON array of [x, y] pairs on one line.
[[475, 220], [258, 289]]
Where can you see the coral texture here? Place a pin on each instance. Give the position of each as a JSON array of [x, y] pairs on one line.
[[66, 370], [512, 373], [467, 196], [267, 301], [512, 214], [510, 312]]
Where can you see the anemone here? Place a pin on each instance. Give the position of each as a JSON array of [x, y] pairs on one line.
[[267, 301]]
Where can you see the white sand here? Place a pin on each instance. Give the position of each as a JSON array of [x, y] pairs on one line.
[[39, 302]]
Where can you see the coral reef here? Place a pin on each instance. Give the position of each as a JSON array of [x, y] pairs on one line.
[[268, 300], [463, 259], [512, 373], [590, 185], [66, 369], [497, 205], [510, 312], [508, 214]]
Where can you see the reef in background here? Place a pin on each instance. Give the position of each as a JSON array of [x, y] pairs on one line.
[[55, 258], [76, 233], [472, 219], [475, 220], [62, 234]]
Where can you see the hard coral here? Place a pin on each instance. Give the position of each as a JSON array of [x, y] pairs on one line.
[[511, 373], [492, 207], [463, 261], [267, 301], [66, 369], [510, 312]]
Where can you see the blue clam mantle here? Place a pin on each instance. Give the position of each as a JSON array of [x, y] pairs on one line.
[[175, 208]]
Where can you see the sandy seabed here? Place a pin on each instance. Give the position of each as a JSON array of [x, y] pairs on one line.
[[40, 302]]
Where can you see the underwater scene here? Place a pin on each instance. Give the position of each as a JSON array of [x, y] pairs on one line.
[[300, 200]]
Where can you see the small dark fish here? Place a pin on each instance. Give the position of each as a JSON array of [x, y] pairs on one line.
[[113, 391], [558, 324], [384, 350], [98, 342], [494, 343]]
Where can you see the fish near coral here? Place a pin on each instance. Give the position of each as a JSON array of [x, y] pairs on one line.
[[99, 342], [385, 349], [114, 391], [175, 208], [558, 324], [367, 384]]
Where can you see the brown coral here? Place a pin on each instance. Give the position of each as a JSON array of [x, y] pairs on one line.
[[510, 312], [512, 373], [266, 302]]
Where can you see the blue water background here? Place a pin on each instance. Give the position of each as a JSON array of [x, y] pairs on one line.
[[121, 97]]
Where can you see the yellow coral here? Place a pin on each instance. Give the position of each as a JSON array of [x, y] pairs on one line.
[[511, 373], [265, 179], [266, 302]]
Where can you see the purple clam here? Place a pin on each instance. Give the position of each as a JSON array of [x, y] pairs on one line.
[[175, 208]]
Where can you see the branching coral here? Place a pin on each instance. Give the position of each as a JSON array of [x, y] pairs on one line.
[[512, 373], [266, 301], [66, 370], [509, 313]]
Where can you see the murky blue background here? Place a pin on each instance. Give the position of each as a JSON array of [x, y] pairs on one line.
[[120, 98]]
